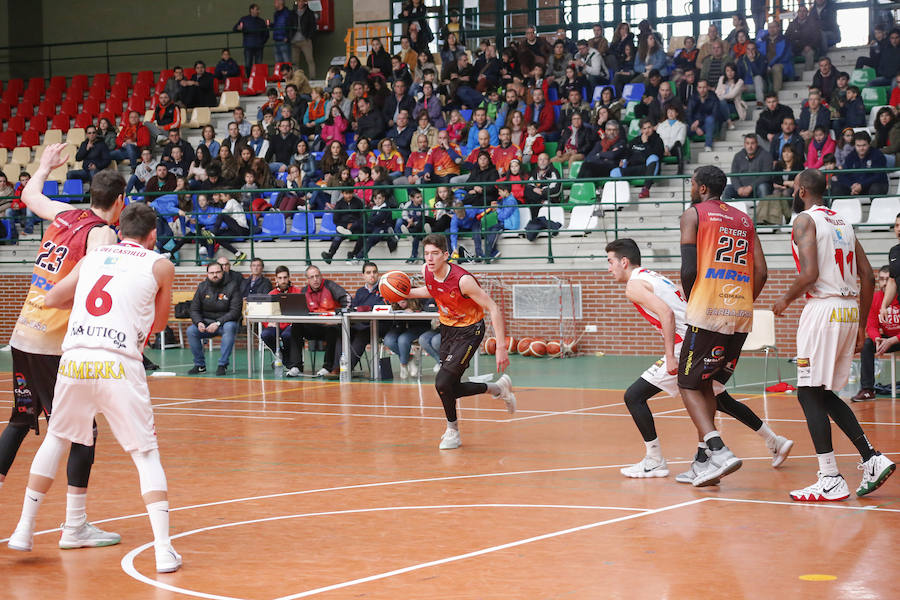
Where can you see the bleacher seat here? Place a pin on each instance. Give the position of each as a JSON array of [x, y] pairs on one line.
[[123, 78], [16, 124], [8, 139], [25, 109], [862, 77], [633, 92], [5, 111], [615, 195], [327, 227], [255, 85], [52, 136], [10, 96], [79, 81], [258, 70], [38, 123], [31, 138], [302, 225], [32, 95], [136, 103], [72, 187], [583, 193], [200, 117], [36, 83], [273, 225], [849, 208], [57, 82], [84, 120], [21, 155], [69, 106], [47, 108], [114, 106], [101, 79], [883, 212], [75, 135], [51, 188], [53, 95], [875, 96], [91, 106], [145, 77], [278, 72], [234, 84], [553, 213], [582, 220]]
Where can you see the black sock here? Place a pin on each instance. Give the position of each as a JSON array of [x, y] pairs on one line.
[[636, 397], [740, 411], [10, 440], [701, 455], [715, 443], [812, 401], [844, 417]]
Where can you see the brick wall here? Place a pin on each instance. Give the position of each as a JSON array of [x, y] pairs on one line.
[[620, 329]]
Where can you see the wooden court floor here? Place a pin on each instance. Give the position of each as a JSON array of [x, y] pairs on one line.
[[296, 489]]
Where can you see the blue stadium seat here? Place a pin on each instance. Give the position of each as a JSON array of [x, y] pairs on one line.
[[9, 233], [327, 227], [466, 114], [303, 224], [318, 156], [598, 91], [74, 187], [281, 176], [552, 94], [51, 188], [633, 92], [350, 138], [273, 225]]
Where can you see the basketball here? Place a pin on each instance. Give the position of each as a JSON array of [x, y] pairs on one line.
[[523, 346], [511, 344], [538, 348], [554, 348], [394, 286], [570, 346], [490, 345]]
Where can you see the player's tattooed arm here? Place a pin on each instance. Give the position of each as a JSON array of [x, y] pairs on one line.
[[804, 236]]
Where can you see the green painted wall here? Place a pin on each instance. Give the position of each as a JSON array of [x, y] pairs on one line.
[[84, 21]]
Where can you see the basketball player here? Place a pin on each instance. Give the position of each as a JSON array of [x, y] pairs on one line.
[[461, 304], [662, 303], [832, 328], [118, 295], [37, 338], [722, 270]]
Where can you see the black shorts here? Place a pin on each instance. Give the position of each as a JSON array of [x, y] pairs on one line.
[[458, 346], [708, 355], [34, 377]]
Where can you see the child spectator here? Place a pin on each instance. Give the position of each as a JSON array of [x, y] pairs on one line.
[[18, 211], [364, 182], [293, 197], [333, 128], [379, 225], [507, 219], [533, 145], [362, 157], [465, 219], [230, 223], [456, 126], [249, 184], [412, 220], [439, 218], [820, 145], [348, 217], [515, 174]]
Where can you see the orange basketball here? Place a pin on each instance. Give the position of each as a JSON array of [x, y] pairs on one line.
[[510, 344], [490, 345], [394, 286], [523, 345], [538, 348], [554, 348]]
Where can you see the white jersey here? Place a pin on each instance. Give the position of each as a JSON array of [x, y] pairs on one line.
[[669, 293], [115, 300], [835, 245]]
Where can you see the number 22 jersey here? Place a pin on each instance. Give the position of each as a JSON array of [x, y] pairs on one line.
[[722, 297]]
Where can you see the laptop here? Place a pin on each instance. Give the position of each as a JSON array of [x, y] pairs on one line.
[[292, 304]]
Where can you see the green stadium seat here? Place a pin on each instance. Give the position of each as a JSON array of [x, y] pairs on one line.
[[634, 129], [428, 195], [862, 77], [583, 193], [629, 112], [875, 96], [574, 168], [550, 148]]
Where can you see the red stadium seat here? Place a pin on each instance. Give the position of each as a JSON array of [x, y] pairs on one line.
[[277, 74], [32, 95], [16, 124], [36, 83], [38, 123], [260, 70], [57, 83], [17, 84], [216, 84], [101, 79], [123, 77], [138, 104], [47, 108], [109, 116], [84, 120], [30, 138], [154, 101], [61, 122], [69, 106], [5, 111], [163, 78], [79, 82], [91, 106], [189, 72], [8, 140], [75, 93], [234, 84], [115, 105], [256, 86], [120, 89], [25, 109], [10, 96], [145, 77], [54, 95], [141, 89], [243, 72]]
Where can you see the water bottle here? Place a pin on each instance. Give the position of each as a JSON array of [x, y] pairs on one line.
[[345, 366], [852, 386]]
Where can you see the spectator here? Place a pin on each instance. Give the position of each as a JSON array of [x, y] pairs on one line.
[[133, 137], [625, 71], [559, 60], [142, 173], [704, 114], [379, 226], [18, 210], [862, 183], [712, 36], [94, 155], [607, 101], [257, 144], [398, 101], [322, 296], [390, 158], [483, 171], [882, 336], [176, 164], [415, 167], [198, 91], [175, 140], [173, 85], [839, 95], [729, 90], [208, 139], [740, 43], [227, 166], [257, 283], [772, 212], [507, 209], [166, 117], [820, 146], [543, 186], [512, 103], [754, 70], [479, 122], [163, 181], [242, 123], [812, 115], [215, 310], [281, 147], [768, 124], [752, 159], [739, 25], [106, 132], [825, 79], [409, 56], [844, 145], [299, 105], [465, 219], [361, 157], [227, 66], [403, 333], [430, 105], [599, 42], [673, 132], [256, 32], [685, 58], [333, 128], [687, 88], [576, 142], [365, 298], [650, 57], [371, 123], [573, 81], [413, 221], [450, 53], [607, 153], [826, 16], [804, 37], [281, 33], [273, 331], [877, 43], [541, 112], [538, 46], [788, 137], [197, 172], [484, 144], [643, 156], [518, 130], [853, 112], [348, 219], [231, 223], [622, 38], [777, 51], [303, 27], [487, 70], [235, 141], [399, 72], [462, 81], [453, 25], [444, 160], [887, 134]]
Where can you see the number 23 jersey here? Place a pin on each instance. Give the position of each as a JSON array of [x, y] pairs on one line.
[[835, 246], [722, 297], [115, 300]]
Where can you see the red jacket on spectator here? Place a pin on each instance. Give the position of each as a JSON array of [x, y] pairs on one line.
[[518, 189], [546, 118], [875, 327], [365, 195], [895, 97], [291, 290], [814, 159], [537, 147], [454, 130], [139, 134], [472, 158]]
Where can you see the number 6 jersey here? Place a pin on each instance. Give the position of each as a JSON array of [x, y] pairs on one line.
[[41, 330], [115, 300], [835, 245], [722, 297]]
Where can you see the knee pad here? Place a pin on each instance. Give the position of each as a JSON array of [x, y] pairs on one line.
[[639, 392], [46, 461], [81, 459], [150, 471]]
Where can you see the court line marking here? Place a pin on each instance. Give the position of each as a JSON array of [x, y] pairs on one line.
[[555, 413], [175, 414], [166, 410], [871, 508], [127, 562]]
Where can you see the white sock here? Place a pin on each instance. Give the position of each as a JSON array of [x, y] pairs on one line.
[[159, 522], [493, 389], [30, 507], [1, 484], [828, 464], [711, 435], [765, 432], [76, 516], [653, 449], [454, 425]]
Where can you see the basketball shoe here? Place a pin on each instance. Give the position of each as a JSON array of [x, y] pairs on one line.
[[721, 462], [780, 447], [21, 540], [506, 393], [691, 474], [829, 488], [648, 467], [450, 440], [876, 470], [86, 536], [167, 560]]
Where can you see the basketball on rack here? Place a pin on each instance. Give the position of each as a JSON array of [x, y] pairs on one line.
[[524, 345], [490, 345], [511, 344], [554, 348], [394, 286], [538, 348]]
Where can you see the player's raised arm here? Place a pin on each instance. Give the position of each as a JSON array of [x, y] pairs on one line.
[[689, 222], [760, 268], [63, 293], [164, 272], [33, 194], [470, 288], [804, 236], [641, 293]]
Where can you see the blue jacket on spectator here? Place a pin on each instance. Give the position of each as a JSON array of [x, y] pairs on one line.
[[166, 205], [783, 53], [853, 114], [469, 223], [207, 216], [227, 68], [366, 297], [657, 60], [747, 68], [281, 23], [873, 159], [508, 213], [255, 31], [699, 109], [472, 141], [98, 155]]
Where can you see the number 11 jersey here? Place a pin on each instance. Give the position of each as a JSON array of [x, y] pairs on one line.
[[835, 245], [722, 297], [115, 300]]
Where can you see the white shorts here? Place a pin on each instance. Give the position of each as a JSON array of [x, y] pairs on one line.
[[98, 381], [656, 375], [826, 340]]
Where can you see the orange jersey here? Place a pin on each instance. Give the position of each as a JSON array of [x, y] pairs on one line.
[[416, 162], [443, 162], [455, 309], [41, 330], [501, 156], [722, 297]]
